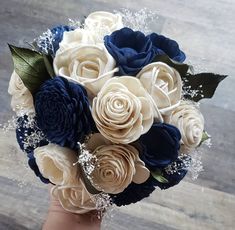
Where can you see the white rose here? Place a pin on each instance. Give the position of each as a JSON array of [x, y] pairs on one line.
[[74, 198], [56, 164], [122, 110], [189, 120], [76, 38], [89, 65], [103, 23], [116, 166], [22, 100], [164, 84]]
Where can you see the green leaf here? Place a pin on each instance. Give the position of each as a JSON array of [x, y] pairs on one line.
[[202, 85], [30, 66], [48, 63], [158, 176], [180, 67], [205, 136]]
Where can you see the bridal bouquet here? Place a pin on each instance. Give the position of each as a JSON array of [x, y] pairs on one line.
[[105, 113]]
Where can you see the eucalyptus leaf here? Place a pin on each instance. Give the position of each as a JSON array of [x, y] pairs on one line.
[[158, 176], [180, 67], [202, 85], [30, 66]]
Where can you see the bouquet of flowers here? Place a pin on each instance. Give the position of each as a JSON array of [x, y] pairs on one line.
[[105, 113]]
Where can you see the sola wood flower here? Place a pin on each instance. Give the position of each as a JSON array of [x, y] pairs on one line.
[[103, 22], [89, 65], [122, 110], [189, 120], [76, 38], [56, 164], [163, 84], [116, 166], [22, 100], [74, 198]]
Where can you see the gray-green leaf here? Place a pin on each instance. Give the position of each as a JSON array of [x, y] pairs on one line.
[[158, 176], [202, 85], [30, 66]]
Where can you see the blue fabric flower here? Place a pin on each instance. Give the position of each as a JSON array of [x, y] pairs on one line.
[[33, 165], [132, 50], [134, 193], [24, 131], [160, 145], [62, 112], [174, 175], [164, 45], [58, 33]]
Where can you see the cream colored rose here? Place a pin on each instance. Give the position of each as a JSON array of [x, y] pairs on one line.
[[56, 164], [76, 38], [74, 198], [22, 100], [164, 84], [89, 65], [189, 120], [116, 166], [122, 110], [103, 22]]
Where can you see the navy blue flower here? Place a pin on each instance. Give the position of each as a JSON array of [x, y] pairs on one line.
[[58, 33], [174, 173], [62, 112], [164, 45], [160, 145], [33, 165], [134, 193], [132, 50], [28, 135]]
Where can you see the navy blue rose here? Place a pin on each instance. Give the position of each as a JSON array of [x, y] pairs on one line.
[[132, 50], [28, 135], [58, 33], [164, 45], [174, 173], [134, 193], [62, 112], [160, 145]]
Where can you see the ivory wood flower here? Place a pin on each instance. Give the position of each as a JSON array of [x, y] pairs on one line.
[[56, 164], [116, 166], [164, 84], [76, 38], [89, 65], [22, 100], [122, 110], [75, 198], [189, 120], [103, 22]]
